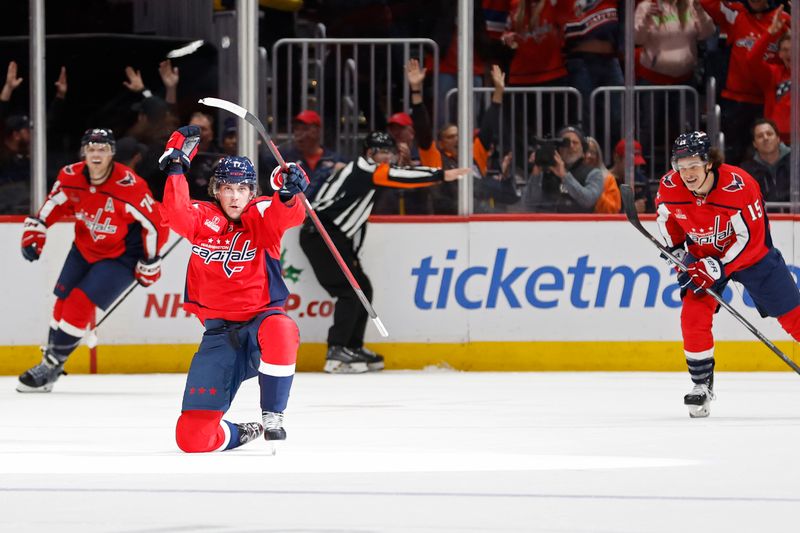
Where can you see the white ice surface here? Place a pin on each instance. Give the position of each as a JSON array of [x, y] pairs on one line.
[[411, 452]]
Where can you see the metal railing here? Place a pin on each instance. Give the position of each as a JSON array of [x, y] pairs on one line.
[[550, 107], [655, 130], [328, 61]]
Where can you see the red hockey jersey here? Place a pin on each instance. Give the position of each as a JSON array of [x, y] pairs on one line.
[[234, 271], [743, 30], [114, 218], [538, 58], [729, 223], [775, 82]]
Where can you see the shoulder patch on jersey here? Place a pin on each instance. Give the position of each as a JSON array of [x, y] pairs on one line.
[[69, 170], [667, 180], [128, 180], [262, 206], [736, 184]]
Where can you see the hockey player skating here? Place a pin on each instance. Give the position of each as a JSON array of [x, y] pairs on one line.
[[712, 217], [234, 286], [118, 238], [343, 203]]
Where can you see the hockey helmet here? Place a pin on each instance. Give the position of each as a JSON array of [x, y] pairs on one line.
[[695, 143], [379, 140], [233, 170], [98, 136]]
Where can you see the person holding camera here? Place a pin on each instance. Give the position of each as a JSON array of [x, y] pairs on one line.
[[561, 180]]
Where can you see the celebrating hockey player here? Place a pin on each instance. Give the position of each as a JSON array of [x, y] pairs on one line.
[[234, 286], [713, 218], [344, 202], [118, 238]]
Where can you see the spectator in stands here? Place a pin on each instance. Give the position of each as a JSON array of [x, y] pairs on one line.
[[533, 33], [10, 85], [742, 101], [307, 151], [400, 127], [15, 166], [770, 162], [642, 195], [536, 38], [170, 78], [594, 155], [205, 122], [666, 32], [444, 30], [666, 36], [592, 39], [568, 185], [497, 190], [129, 152], [444, 153], [230, 137], [774, 80]]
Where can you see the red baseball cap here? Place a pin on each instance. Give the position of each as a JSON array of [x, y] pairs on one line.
[[308, 117], [401, 119], [619, 149]]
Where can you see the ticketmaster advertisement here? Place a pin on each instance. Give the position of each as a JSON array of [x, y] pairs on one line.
[[474, 295]]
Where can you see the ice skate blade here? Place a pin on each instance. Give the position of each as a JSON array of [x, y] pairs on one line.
[[21, 387], [375, 367], [338, 367], [272, 447]]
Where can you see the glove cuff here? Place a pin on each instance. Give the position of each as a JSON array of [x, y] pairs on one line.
[[174, 169]]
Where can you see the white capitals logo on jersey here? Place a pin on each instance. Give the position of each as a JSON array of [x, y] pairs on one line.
[[97, 229], [226, 256], [713, 236]]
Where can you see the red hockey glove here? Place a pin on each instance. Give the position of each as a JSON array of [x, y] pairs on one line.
[[289, 182], [180, 149], [34, 233], [705, 273], [148, 271]]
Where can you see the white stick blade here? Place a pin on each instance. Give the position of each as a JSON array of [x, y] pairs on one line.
[[224, 104]]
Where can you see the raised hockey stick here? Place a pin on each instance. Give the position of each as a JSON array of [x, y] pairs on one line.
[[633, 217], [253, 120], [91, 339]]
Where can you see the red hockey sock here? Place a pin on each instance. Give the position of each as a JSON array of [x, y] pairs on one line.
[[76, 313], [791, 322], [200, 431], [696, 320]]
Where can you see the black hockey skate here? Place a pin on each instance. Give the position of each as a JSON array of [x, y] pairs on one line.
[[248, 431], [43, 376], [374, 361], [699, 399], [341, 360], [273, 429]]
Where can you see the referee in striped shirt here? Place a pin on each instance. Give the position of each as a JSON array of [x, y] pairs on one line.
[[343, 203]]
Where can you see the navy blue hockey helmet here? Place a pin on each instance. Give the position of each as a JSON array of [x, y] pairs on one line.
[[98, 136], [233, 169], [695, 143]]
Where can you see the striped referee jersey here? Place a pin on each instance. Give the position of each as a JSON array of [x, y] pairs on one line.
[[346, 198]]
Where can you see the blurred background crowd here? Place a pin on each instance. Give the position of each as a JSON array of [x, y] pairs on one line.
[[548, 79]]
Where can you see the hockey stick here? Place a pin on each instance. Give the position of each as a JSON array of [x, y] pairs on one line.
[[91, 339], [253, 120], [633, 217]]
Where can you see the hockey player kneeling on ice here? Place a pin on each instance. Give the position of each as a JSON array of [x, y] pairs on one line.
[[118, 239], [234, 286], [343, 203], [712, 216]]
